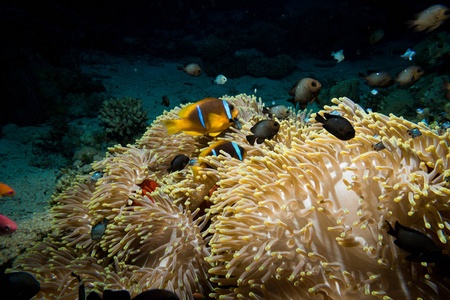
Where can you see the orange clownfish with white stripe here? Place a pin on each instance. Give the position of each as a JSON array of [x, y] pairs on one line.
[[208, 116]]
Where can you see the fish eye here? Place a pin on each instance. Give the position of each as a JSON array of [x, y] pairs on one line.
[[313, 84], [7, 227], [231, 106]]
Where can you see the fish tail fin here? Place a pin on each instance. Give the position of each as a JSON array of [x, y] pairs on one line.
[[391, 230], [413, 25], [251, 139], [173, 126], [292, 100], [320, 119]]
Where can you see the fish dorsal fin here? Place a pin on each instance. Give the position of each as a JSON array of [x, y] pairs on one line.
[[294, 88], [330, 116], [186, 110]]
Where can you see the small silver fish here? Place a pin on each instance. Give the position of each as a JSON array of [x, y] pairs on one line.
[[409, 54]]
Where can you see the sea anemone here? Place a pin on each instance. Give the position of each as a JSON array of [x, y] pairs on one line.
[[307, 217], [302, 216]]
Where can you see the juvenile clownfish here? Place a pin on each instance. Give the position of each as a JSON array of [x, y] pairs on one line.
[[147, 186], [338, 126], [233, 149], [208, 116], [6, 191]]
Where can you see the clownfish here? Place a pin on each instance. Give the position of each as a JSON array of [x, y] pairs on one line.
[[147, 186], [208, 116], [233, 149], [6, 191]]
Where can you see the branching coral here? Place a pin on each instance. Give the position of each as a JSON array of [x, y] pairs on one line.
[[303, 216], [124, 118]]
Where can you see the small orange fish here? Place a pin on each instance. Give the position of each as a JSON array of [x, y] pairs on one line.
[[377, 79], [6, 191], [208, 116], [409, 76], [191, 69], [305, 91], [446, 88], [147, 187], [431, 18]]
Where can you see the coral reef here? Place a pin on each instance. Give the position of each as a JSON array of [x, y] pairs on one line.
[[347, 88], [302, 216], [432, 50], [124, 118]]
